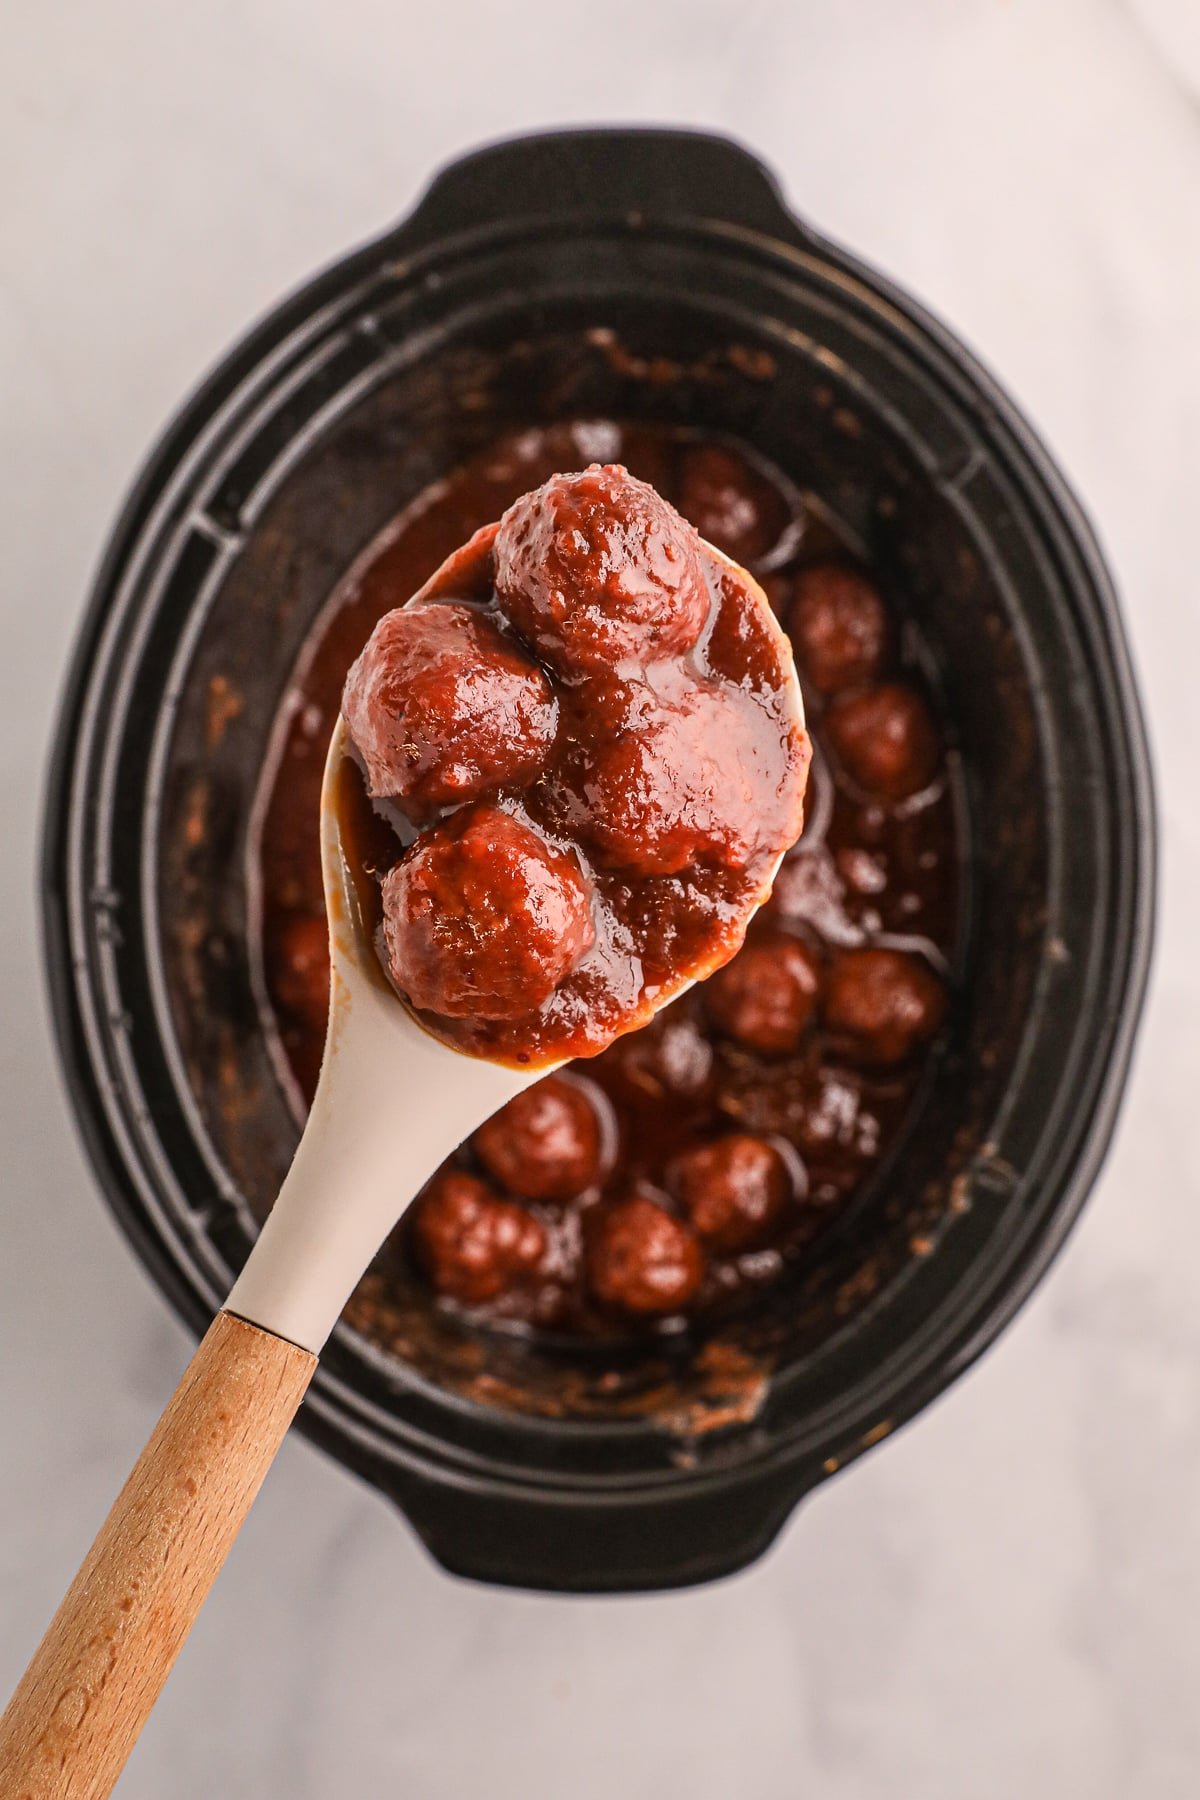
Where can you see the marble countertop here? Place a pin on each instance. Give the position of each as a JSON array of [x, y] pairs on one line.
[[1002, 1600]]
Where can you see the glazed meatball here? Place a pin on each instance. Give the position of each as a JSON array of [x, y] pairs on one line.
[[730, 502], [597, 569], [670, 1055], [483, 918], [834, 1117], [642, 1259], [766, 996], [885, 740], [838, 626], [299, 969], [443, 708], [703, 780], [733, 1190], [545, 1144], [472, 1244], [880, 1005]]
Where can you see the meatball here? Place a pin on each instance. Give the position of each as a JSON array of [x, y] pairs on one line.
[[545, 1144], [885, 740], [730, 502], [443, 708], [733, 1190], [670, 1055], [472, 1244], [641, 1259], [483, 918], [705, 779], [880, 1005], [766, 996], [596, 570], [838, 626], [298, 961], [835, 1119]]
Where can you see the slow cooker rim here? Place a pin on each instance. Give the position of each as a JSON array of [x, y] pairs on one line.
[[1055, 1216]]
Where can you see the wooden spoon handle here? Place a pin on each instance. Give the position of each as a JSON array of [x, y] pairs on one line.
[[101, 1666]]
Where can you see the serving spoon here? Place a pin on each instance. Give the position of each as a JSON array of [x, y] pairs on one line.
[[392, 1101]]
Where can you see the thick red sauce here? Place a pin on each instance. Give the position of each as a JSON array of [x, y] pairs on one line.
[[585, 734], [684, 1168]]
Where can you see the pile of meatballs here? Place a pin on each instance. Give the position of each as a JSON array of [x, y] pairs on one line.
[[592, 728], [683, 1165]]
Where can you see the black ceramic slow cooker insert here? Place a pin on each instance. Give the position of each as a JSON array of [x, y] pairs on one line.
[[499, 303]]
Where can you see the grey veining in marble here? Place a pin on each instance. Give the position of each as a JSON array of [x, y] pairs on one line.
[[1005, 1598]]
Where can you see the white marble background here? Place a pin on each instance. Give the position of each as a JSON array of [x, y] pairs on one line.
[[1004, 1600]]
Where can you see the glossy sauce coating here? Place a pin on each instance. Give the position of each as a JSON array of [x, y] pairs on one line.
[[444, 708], [686, 1168], [733, 1190], [547, 1144], [627, 796], [483, 919], [597, 572]]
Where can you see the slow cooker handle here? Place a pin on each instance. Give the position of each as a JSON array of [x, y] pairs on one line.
[[589, 174]]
